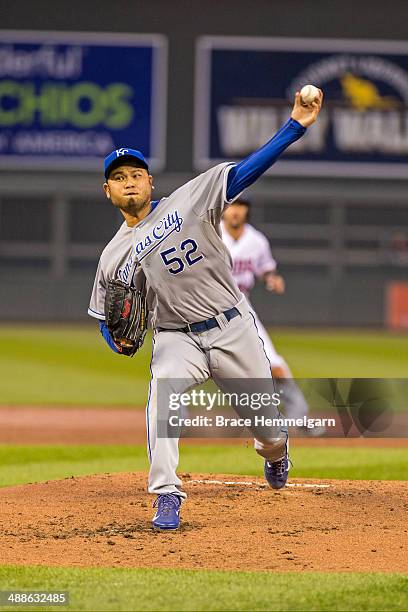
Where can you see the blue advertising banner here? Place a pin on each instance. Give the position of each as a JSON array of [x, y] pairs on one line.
[[68, 98], [245, 89]]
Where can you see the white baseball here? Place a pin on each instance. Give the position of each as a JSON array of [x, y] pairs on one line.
[[309, 93]]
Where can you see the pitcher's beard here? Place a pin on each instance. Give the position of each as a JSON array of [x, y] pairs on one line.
[[131, 206]]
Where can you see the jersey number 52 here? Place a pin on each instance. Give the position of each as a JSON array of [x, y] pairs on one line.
[[177, 264]]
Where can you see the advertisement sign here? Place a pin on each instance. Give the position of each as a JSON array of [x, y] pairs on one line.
[[67, 98], [245, 89]]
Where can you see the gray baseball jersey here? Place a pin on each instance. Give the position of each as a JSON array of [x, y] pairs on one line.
[[178, 247]]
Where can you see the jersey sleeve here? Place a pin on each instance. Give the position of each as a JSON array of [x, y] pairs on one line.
[[264, 262], [97, 303], [208, 191]]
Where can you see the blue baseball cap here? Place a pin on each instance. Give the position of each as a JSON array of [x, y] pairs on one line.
[[121, 156]]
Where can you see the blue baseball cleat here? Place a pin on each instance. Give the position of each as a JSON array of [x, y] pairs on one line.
[[276, 472], [168, 511]]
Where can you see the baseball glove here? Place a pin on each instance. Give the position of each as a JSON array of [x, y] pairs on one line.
[[126, 316]]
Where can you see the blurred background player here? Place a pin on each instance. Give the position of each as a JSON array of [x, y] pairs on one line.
[[252, 259]]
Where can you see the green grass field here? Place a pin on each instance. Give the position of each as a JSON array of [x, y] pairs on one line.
[[126, 589], [22, 464], [71, 365]]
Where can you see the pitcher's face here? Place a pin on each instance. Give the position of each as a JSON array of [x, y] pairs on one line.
[[129, 188]]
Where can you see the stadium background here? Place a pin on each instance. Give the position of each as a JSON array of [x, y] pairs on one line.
[[53, 225]]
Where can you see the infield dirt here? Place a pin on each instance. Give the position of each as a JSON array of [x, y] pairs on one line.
[[104, 520], [79, 425]]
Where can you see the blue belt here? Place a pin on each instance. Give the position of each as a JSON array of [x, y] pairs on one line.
[[203, 326]]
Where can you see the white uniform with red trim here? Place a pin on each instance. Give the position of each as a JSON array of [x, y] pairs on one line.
[[252, 258]]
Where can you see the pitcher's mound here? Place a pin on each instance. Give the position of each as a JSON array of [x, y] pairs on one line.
[[228, 522]]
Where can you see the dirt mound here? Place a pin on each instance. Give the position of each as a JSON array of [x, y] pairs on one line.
[[229, 522]]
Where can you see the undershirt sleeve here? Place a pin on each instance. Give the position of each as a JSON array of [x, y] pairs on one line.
[[107, 337], [252, 167]]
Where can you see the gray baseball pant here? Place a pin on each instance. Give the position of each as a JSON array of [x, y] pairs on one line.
[[231, 351]]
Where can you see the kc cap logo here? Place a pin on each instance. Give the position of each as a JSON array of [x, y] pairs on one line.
[[121, 152], [118, 157]]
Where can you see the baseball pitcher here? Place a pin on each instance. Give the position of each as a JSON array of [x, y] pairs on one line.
[[202, 325]]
